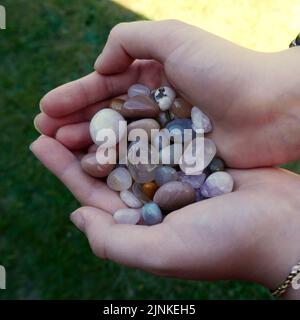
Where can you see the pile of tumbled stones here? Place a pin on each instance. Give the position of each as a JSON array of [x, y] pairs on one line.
[[151, 191]]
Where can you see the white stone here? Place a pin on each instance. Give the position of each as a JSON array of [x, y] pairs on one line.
[[200, 120], [107, 119], [127, 216], [216, 184], [193, 163], [130, 199], [164, 96], [119, 179]]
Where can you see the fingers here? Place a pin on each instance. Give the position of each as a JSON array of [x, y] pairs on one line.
[[63, 164], [139, 40], [49, 126], [88, 90], [135, 246], [75, 136]]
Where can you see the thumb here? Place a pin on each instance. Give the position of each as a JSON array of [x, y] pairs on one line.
[[139, 40]]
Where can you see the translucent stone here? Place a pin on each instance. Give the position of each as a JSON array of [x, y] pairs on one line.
[[160, 139], [145, 171], [142, 173], [207, 150], [199, 196], [127, 216], [164, 96], [91, 166], [149, 189], [107, 119], [174, 195], [200, 120], [216, 164], [151, 214], [146, 124], [164, 118], [165, 174], [177, 127], [137, 189], [139, 107], [130, 199], [119, 179], [196, 181], [171, 154], [138, 90], [181, 108], [216, 184]]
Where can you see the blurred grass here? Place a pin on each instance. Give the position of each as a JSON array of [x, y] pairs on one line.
[[47, 43]]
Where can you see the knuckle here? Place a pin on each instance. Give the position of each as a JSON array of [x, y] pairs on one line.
[[117, 29]]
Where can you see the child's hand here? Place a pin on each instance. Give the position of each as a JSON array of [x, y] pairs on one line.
[[251, 234], [251, 97]]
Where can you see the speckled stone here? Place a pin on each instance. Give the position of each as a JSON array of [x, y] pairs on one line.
[[174, 195], [107, 119], [164, 96], [130, 199], [145, 124], [181, 108], [119, 179], [165, 174], [127, 216], [196, 181], [151, 214], [200, 120], [91, 166], [140, 107], [138, 90], [216, 184]]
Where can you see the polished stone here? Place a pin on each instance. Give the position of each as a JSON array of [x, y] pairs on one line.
[[181, 108], [146, 124], [165, 174], [140, 107], [127, 216], [149, 189], [151, 214], [164, 96], [218, 183], [196, 181], [119, 179], [138, 90], [130, 199], [200, 120], [216, 164], [92, 167]]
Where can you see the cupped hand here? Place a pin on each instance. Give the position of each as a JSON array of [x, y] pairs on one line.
[[251, 97], [250, 234]]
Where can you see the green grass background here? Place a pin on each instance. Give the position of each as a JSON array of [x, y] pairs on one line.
[[47, 43]]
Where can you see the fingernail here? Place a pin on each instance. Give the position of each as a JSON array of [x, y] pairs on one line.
[[30, 146], [77, 218], [98, 61], [35, 125]]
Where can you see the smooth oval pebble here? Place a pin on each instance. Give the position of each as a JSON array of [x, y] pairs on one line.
[[107, 119], [127, 216], [160, 139], [216, 164], [181, 108], [216, 184], [149, 189], [165, 174], [164, 96], [145, 124], [138, 90], [130, 199], [119, 179], [117, 104], [174, 195], [206, 154], [137, 189], [200, 120], [151, 214], [196, 181], [91, 166], [140, 107], [171, 154]]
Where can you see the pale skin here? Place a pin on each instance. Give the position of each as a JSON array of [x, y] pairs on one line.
[[252, 100]]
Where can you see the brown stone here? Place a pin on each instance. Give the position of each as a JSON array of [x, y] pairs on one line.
[[181, 108]]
